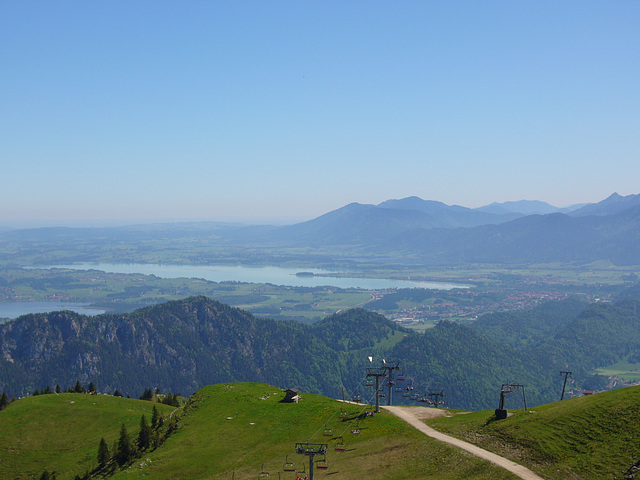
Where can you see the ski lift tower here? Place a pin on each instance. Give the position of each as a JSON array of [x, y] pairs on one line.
[[501, 411], [378, 373], [437, 402], [311, 450], [566, 375], [390, 367], [384, 371]]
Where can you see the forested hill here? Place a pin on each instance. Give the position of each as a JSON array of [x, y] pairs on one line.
[[601, 335], [182, 345], [530, 328]]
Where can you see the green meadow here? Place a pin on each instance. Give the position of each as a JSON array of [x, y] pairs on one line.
[[590, 437], [623, 370], [225, 431], [244, 431], [61, 433]]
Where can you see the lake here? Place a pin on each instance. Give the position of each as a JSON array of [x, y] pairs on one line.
[[15, 309], [268, 274]]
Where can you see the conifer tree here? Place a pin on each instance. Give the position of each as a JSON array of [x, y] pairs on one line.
[[103, 453], [4, 401], [154, 417], [144, 435], [147, 395], [91, 388], [78, 388], [125, 448], [58, 389]]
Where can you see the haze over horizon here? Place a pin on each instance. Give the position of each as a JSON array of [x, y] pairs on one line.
[[126, 112]]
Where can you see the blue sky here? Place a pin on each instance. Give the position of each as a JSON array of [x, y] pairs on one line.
[[253, 109]]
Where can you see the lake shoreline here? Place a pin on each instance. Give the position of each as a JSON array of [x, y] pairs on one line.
[[259, 274]]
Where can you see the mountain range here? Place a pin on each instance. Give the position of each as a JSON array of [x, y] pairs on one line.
[[430, 232], [409, 230]]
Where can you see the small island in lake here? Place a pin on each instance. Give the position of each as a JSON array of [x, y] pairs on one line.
[[304, 274]]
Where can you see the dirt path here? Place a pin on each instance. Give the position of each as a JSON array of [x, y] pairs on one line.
[[412, 416]]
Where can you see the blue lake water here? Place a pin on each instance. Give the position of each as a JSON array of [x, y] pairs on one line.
[[15, 309], [273, 275]]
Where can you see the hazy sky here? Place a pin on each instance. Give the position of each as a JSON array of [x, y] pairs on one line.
[[227, 109]]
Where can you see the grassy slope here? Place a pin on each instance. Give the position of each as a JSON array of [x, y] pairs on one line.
[[588, 438], [594, 437], [209, 445], [61, 433]]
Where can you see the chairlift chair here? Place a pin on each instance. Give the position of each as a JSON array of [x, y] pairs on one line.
[[344, 414], [322, 463], [264, 475], [398, 389], [328, 432], [357, 398], [356, 429], [340, 447], [369, 383], [408, 390], [289, 466]]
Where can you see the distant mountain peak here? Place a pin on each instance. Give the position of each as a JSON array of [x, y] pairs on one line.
[[614, 197], [614, 203], [524, 207], [413, 203]]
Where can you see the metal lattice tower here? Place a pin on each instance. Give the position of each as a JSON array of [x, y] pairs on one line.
[[311, 450], [378, 373], [383, 371]]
